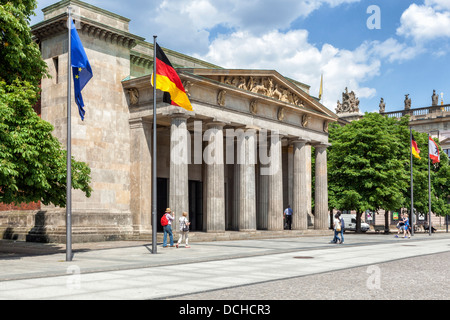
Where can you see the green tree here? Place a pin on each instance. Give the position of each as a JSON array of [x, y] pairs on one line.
[[20, 57], [32, 161], [369, 168], [367, 164]]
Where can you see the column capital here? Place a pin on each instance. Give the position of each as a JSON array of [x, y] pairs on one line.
[[175, 111], [248, 127], [321, 145], [216, 124], [179, 115], [139, 122], [276, 133], [299, 141]]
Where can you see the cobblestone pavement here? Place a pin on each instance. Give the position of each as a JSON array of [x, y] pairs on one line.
[[419, 278]]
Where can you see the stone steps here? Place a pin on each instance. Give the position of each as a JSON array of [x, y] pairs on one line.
[[198, 236]]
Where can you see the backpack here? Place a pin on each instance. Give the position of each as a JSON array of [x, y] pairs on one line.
[[342, 222], [164, 221]]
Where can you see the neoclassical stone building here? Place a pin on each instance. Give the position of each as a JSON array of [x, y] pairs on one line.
[[234, 163]]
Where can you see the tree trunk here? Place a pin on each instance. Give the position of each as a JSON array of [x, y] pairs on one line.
[[358, 222], [386, 222]]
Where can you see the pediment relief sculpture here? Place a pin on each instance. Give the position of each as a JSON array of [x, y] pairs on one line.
[[305, 120], [263, 85], [134, 96], [221, 98], [253, 107], [187, 85], [280, 114]]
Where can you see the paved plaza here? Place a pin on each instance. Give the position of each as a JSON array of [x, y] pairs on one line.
[[128, 270]]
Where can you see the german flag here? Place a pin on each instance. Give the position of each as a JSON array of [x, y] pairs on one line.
[[415, 150], [167, 80]]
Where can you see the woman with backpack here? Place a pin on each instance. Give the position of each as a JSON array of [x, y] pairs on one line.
[[184, 229], [166, 222]]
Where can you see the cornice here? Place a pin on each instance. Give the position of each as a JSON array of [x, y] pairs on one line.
[[82, 4], [56, 25], [141, 59]]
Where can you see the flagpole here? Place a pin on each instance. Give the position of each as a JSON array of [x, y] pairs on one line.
[[429, 188], [321, 88], [69, 151], [412, 186], [154, 186]]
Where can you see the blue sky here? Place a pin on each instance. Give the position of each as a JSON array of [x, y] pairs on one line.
[[302, 39]]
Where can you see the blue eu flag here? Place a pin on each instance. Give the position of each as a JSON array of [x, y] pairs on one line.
[[81, 69]]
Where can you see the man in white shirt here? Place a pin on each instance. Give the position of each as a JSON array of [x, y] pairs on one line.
[[288, 217]]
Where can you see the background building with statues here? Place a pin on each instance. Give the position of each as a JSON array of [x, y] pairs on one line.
[[433, 119]]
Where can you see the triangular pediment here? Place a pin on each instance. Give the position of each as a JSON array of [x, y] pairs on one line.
[[445, 142], [268, 83]]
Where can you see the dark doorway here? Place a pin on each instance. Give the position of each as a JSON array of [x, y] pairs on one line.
[[162, 201], [196, 205]]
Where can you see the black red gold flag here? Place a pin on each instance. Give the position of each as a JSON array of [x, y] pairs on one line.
[[167, 80], [415, 150]]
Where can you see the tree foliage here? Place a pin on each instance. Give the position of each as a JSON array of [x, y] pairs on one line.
[[369, 167], [366, 170], [32, 161], [20, 57]]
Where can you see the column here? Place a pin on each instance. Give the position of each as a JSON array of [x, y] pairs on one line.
[[263, 190], [213, 156], [141, 175], [321, 192], [179, 151], [275, 177], [301, 191], [246, 159]]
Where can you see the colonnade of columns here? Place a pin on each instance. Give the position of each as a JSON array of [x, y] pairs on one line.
[[254, 185]]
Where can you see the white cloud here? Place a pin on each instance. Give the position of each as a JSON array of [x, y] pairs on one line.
[[426, 22], [189, 23], [253, 38], [293, 56], [438, 4], [393, 51]]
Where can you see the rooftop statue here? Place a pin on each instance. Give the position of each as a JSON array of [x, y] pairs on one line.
[[434, 99], [407, 102], [382, 105], [350, 103]]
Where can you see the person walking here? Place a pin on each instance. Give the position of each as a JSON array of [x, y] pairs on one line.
[[288, 217], [400, 225], [337, 229], [184, 229], [341, 220], [168, 227], [406, 226]]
